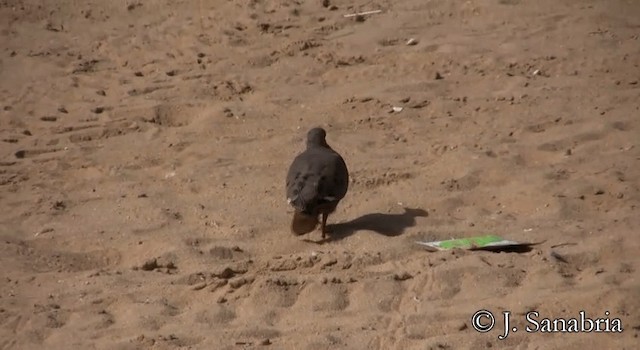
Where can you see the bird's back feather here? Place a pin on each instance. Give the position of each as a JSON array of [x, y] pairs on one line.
[[316, 177]]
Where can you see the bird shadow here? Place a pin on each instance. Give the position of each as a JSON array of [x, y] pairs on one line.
[[389, 225]]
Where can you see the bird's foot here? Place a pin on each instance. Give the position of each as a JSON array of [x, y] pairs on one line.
[[326, 232]]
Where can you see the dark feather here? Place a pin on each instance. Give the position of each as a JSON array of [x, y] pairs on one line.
[[303, 223], [317, 179]]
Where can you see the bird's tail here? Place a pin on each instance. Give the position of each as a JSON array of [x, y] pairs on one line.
[[303, 223]]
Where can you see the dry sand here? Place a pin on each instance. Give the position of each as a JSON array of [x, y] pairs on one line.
[[133, 131]]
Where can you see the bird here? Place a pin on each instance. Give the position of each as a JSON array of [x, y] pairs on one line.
[[317, 180]]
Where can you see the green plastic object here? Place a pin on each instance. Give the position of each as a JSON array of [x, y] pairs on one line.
[[473, 243]]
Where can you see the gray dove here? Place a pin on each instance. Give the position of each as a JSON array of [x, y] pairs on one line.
[[316, 182]]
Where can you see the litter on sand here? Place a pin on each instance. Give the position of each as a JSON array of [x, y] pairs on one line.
[[487, 242], [412, 42], [362, 13]]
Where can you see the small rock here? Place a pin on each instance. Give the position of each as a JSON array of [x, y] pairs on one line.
[[138, 74], [226, 273], [239, 282], [59, 205], [402, 276], [101, 93], [133, 6], [265, 342], [228, 113], [150, 265], [62, 110], [98, 110], [439, 76]]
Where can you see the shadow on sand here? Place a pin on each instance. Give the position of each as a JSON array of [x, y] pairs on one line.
[[390, 225]]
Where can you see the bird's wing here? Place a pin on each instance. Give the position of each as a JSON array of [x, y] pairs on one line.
[[315, 178]]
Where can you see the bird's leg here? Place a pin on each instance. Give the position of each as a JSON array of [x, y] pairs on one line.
[[324, 224]]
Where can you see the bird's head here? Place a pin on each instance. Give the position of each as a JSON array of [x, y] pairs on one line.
[[316, 137]]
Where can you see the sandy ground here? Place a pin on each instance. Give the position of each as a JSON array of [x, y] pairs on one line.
[[145, 145]]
